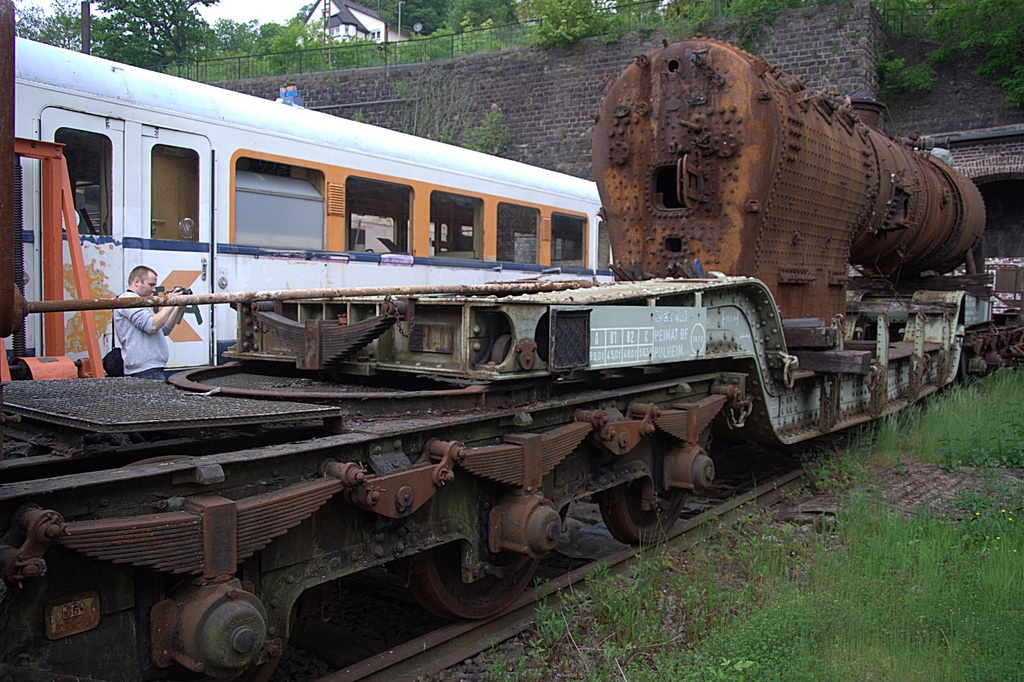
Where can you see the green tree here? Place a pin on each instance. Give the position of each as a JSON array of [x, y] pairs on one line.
[[469, 14], [991, 29], [492, 136], [431, 14], [28, 19], [563, 22], [233, 38], [298, 35], [63, 27], [151, 33], [687, 17]]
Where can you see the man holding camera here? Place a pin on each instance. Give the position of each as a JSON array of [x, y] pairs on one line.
[[144, 350]]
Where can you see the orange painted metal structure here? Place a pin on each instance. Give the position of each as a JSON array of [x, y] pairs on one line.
[[55, 367], [59, 201], [708, 158]]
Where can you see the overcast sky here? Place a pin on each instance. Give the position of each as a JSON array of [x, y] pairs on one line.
[[264, 11]]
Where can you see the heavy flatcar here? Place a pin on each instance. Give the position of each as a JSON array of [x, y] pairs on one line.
[[178, 531]]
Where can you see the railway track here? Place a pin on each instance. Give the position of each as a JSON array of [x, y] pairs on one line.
[[441, 648]]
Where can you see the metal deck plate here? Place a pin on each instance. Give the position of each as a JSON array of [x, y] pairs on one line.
[[123, 404]]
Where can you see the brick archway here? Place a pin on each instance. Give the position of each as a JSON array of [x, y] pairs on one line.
[[1000, 177], [992, 168]]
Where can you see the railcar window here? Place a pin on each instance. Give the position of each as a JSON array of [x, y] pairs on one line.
[[517, 233], [278, 205], [174, 193], [568, 236], [377, 216], [89, 158], [455, 224]]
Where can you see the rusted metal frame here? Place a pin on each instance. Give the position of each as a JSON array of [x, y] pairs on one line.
[[220, 537], [397, 495], [945, 369], [532, 448], [339, 441], [619, 437], [829, 393], [95, 367], [918, 362], [159, 553], [10, 297], [248, 457], [507, 463], [502, 289], [524, 521], [687, 421], [878, 378], [58, 201], [39, 528], [318, 448], [211, 536]]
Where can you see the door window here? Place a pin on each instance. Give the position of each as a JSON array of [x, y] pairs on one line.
[[89, 159], [174, 193]]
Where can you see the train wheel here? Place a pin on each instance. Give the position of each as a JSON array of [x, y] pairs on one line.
[[623, 511], [437, 583]]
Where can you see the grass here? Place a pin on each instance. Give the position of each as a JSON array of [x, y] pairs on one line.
[[877, 596], [978, 424]]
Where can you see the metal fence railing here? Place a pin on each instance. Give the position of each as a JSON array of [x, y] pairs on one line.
[[907, 17], [910, 22], [623, 17], [354, 55]]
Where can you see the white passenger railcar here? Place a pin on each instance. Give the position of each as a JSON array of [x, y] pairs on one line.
[[219, 191]]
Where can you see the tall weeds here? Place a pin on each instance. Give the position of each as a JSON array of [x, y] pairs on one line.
[[877, 596]]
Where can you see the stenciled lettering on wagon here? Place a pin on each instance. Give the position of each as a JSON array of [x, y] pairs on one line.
[[729, 318], [630, 335], [77, 613]]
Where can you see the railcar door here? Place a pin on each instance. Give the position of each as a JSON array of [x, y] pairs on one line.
[[94, 150], [176, 231]]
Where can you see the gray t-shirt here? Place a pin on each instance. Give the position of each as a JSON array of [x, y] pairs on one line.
[[142, 347]]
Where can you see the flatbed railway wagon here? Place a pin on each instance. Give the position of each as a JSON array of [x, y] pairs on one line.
[[182, 531]]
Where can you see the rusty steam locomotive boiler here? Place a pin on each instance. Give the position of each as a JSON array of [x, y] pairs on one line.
[[707, 157]]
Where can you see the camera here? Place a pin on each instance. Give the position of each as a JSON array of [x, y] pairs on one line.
[[182, 291]]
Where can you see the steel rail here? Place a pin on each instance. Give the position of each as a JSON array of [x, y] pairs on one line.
[[502, 288], [454, 643]]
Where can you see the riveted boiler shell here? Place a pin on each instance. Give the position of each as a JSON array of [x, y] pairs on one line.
[[926, 217], [702, 151], [705, 154], [678, 150]]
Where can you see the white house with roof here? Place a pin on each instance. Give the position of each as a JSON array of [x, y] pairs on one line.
[[348, 20]]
